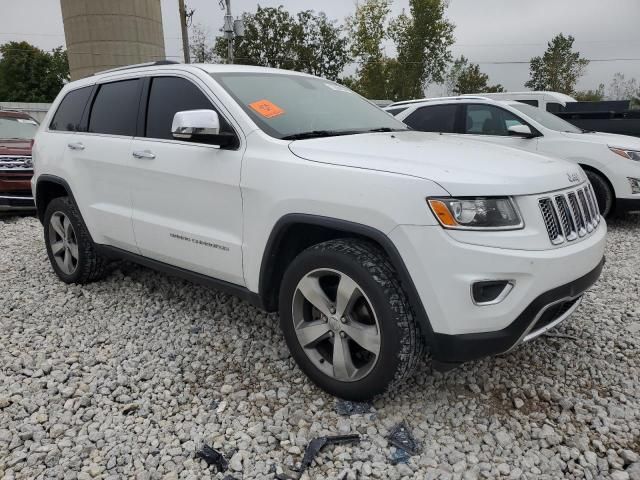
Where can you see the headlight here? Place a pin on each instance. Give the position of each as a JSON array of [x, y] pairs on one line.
[[623, 152], [480, 213]]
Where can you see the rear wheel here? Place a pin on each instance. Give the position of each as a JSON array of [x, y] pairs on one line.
[[347, 321], [69, 246], [604, 193]]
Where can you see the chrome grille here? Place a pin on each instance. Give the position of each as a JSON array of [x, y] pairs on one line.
[[570, 215], [551, 220], [14, 163]]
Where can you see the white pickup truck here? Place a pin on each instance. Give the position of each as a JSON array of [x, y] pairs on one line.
[[300, 196]]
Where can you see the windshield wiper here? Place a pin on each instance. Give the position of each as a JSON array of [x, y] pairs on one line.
[[318, 134], [386, 129]]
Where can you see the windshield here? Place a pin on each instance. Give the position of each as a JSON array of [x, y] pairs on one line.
[[292, 106], [546, 119], [22, 128]]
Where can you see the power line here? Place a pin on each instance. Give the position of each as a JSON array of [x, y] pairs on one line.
[[488, 62]]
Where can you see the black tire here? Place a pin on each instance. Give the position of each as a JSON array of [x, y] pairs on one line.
[[90, 266], [400, 340], [604, 194]]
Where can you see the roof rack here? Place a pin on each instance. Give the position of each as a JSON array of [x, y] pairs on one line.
[[138, 65], [435, 99]]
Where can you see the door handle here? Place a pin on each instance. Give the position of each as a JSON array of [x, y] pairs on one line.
[[76, 146], [144, 154]]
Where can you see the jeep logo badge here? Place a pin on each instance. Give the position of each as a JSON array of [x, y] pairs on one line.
[[573, 177]]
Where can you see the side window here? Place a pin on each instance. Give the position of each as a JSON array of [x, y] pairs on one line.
[[115, 108], [435, 118], [489, 120], [554, 107], [169, 95], [69, 114], [396, 111], [533, 103]]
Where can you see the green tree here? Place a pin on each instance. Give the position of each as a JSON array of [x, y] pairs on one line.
[[308, 43], [422, 40], [596, 95], [319, 47], [28, 74], [367, 30], [559, 69], [465, 77]]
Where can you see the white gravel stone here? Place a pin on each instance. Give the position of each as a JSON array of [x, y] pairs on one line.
[[127, 377]]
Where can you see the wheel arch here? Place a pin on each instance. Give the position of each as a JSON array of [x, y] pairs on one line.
[[605, 178], [293, 233], [599, 172], [49, 187]]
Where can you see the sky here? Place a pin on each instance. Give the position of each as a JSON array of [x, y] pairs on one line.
[[487, 31]]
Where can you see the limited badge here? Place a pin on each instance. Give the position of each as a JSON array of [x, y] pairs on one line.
[[266, 108]]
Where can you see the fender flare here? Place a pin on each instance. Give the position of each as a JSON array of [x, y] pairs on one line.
[[56, 180], [277, 235]]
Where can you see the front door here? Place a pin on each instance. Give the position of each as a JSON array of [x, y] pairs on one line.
[[187, 206], [489, 123]]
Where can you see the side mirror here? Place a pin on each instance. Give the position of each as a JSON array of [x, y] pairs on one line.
[[200, 126], [520, 131]]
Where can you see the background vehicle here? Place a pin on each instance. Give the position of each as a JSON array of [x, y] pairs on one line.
[[300, 196], [612, 162], [609, 116], [16, 137], [548, 101]]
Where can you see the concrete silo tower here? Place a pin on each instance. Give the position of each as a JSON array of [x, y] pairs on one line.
[[103, 34]]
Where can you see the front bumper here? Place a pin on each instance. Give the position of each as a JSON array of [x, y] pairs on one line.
[[627, 205], [545, 283], [16, 203], [544, 313]]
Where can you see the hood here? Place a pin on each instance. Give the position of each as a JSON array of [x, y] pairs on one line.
[[463, 167], [15, 147], [611, 139]]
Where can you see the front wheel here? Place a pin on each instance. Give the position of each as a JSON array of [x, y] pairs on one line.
[[347, 321], [603, 192]]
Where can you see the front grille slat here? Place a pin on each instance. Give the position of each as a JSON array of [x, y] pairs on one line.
[[568, 224], [585, 210], [570, 215], [593, 203], [551, 221]]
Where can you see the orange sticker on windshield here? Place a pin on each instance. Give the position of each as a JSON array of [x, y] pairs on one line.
[[266, 108]]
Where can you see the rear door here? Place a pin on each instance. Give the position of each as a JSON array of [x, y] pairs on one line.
[[187, 205], [99, 161], [443, 118]]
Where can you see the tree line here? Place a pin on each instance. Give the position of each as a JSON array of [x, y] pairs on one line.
[[308, 41]]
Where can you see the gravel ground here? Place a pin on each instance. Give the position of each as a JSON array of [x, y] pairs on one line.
[[125, 378]]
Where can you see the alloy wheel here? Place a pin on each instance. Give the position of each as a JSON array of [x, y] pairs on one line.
[[336, 325], [63, 243]]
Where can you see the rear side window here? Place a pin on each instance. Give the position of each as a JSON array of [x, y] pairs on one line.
[[115, 108], [396, 111], [533, 103], [69, 114], [554, 107], [169, 95], [435, 118]]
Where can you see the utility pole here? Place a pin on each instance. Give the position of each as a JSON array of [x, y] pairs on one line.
[[232, 28], [185, 32]]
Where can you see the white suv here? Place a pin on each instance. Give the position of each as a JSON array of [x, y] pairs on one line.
[[611, 162], [298, 195]]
